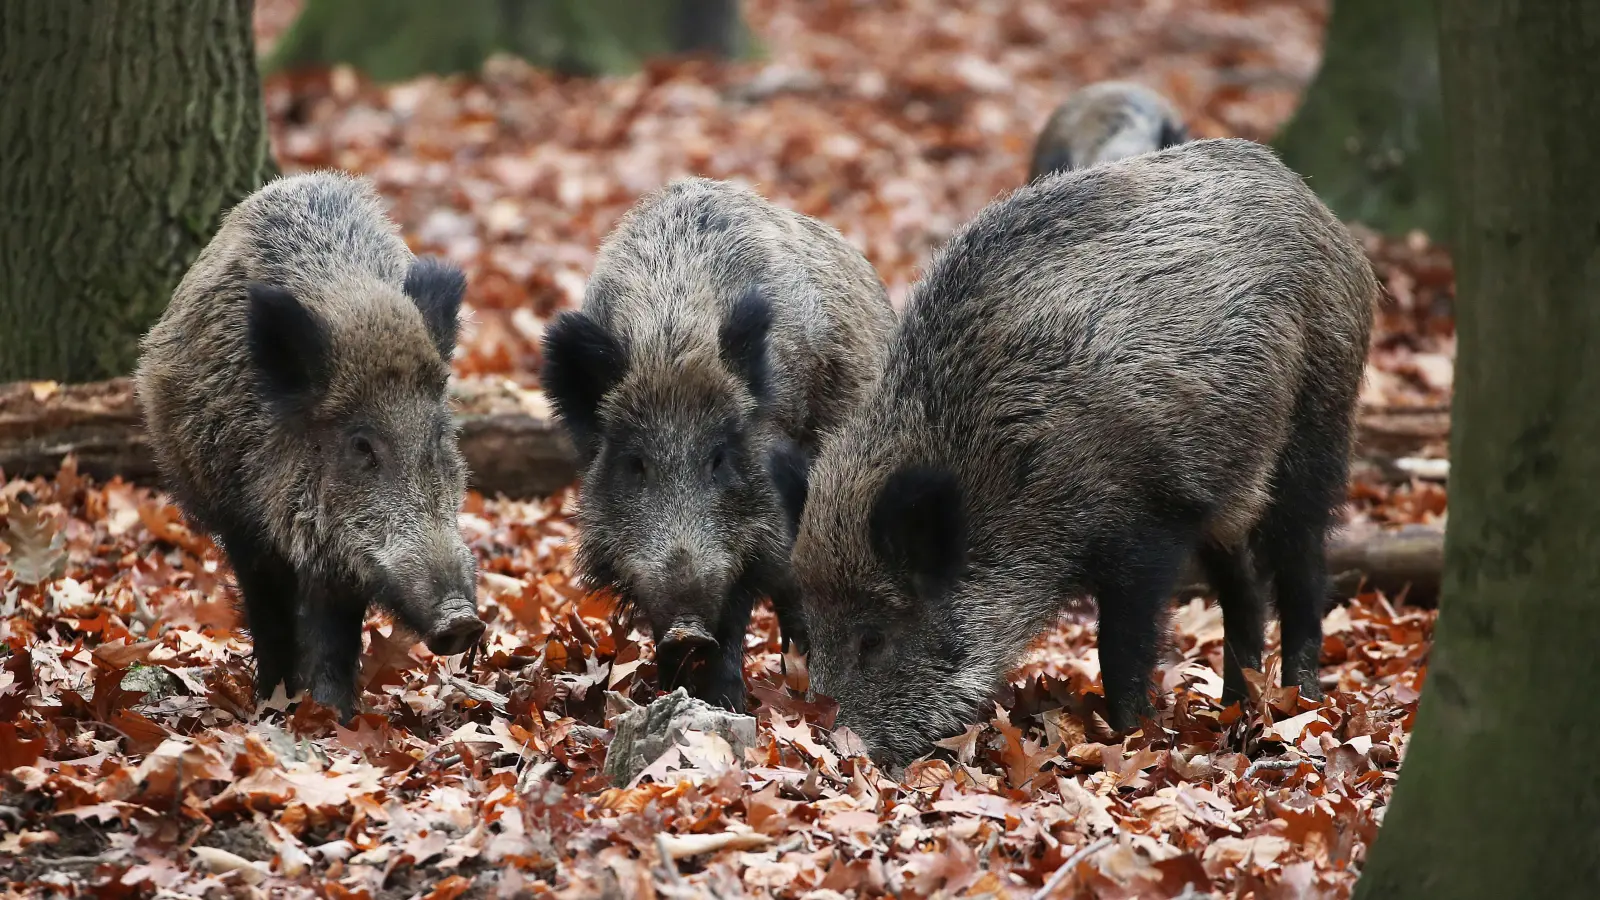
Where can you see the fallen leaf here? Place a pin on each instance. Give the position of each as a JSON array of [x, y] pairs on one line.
[[38, 548]]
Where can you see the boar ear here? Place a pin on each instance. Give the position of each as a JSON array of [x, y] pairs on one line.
[[437, 287], [919, 527], [582, 362], [1172, 134], [1052, 160], [289, 345], [743, 340], [790, 468]]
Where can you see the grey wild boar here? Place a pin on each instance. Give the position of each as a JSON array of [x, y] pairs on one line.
[[1101, 374], [294, 396], [720, 338], [1106, 121]]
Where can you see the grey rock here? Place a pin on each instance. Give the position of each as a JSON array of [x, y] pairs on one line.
[[645, 732], [156, 683]]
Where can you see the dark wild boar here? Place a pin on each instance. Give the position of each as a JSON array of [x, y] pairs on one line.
[[294, 397], [1100, 374], [721, 337], [1106, 121]]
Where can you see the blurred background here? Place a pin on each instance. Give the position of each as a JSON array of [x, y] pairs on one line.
[[893, 121]]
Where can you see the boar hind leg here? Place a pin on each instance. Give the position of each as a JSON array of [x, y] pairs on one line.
[[1232, 573], [267, 586], [329, 623], [1134, 579], [1310, 483]]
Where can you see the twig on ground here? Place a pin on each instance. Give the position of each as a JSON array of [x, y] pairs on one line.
[[1065, 871], [1279, 765], [668, 867]]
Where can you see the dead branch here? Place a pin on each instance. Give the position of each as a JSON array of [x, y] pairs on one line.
[[510, 443], [1400, 561]]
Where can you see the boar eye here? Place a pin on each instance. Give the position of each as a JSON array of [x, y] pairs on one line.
[[871, 643], [719, 461], [637, 468], [361, 447]]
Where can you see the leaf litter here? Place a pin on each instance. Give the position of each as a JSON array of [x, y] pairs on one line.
[[135, 762]]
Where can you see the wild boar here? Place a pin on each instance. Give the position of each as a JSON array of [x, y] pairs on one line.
[[720, 339], [1106, 121], [1100, 374], [294, 397]]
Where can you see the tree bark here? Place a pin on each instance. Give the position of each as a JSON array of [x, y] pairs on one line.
[[1500, 795], [1368, 133], [391, 40], [130, 127]]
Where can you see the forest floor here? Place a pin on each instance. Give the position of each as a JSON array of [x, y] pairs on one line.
[[133, 761]]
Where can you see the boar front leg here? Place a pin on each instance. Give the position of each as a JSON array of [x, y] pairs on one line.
[[329, 626], [267, 588], [791, 616], [710, 666], [1139, 570], [724, 684]]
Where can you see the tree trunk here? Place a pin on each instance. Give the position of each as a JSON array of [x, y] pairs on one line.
[[391, 40], [130, 127], [1500, 793], [1368, 134]]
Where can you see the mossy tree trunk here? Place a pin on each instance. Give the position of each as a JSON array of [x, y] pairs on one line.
[[390, 40], [130, 127], [1367, 134], [1500, 794]]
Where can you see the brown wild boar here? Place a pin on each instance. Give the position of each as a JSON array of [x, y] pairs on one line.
[[1106, 121], [720, 339], [294, 397], [1100, 374]]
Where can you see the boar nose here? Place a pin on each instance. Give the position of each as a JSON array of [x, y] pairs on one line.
[[457, 630], [686, 635], [686, 646], [456, 626]]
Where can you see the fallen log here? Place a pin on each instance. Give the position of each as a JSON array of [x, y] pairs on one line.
[[1404, 563], [1401, 431], [510, 443]]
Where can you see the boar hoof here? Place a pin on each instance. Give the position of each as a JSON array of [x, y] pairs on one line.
[[456, 636]]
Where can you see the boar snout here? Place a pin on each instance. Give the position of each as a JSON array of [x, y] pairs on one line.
[[689, 655], [684, 647], [686, 636], [456, 629]]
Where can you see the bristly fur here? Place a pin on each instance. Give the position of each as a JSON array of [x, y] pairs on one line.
[[1098, 375], [294, 396], [1106, 121], [721, 338]]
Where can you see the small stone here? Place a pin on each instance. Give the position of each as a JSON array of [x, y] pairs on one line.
[[155, 682], [645, 732]]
